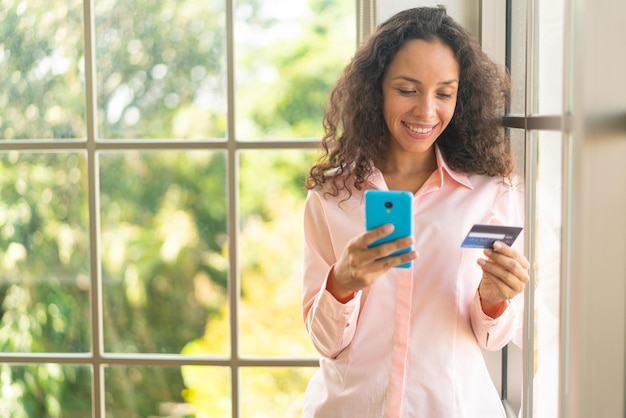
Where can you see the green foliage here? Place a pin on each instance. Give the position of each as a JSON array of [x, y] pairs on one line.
[[41, 81], [161, 76], [284, 383], [43, 253], [271, 212], [297, 73], [162, 222], [159, 244]]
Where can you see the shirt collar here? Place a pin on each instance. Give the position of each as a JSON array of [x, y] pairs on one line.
[[442, 166], [376, 177]]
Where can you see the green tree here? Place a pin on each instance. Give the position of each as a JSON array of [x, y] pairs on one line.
[[43, 280], [163, 75], [291, 103], [163, 214]]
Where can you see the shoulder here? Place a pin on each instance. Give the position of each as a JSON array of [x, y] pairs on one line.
[[499, 184], [337, 186], [341, 196], [507, 195]]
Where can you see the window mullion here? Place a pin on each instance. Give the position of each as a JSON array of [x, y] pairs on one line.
[[94, 216], [232, 179], [530, 213]]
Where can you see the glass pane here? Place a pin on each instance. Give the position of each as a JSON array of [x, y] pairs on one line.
[[41, 70], [548, 74], [270, 251], [46, 390], [164, 252], [517, 57], [265, 390], [288, 54], [207, 391], [190, 391], [44, 253], [514, 354], [548, 270], [161, 75], [517, 141]]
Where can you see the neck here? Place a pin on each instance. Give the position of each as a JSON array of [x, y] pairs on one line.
[[403, 163], [404, 171]]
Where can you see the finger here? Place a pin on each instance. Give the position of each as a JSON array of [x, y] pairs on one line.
[[503, 267], [369, 237], [509, 265], [388, 248], [363, 261], [493, 289], [386, 263], [515, 280], [513, 265], [359, 246], [502, 248]]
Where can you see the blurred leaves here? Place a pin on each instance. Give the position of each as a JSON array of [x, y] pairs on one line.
[[41, 68], [163, 215]]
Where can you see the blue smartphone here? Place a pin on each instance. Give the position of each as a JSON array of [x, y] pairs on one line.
[[390, 207]]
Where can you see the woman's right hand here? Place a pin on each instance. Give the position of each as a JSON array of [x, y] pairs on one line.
[[360, 266]]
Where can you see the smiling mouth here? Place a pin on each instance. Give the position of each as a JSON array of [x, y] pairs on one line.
[[417, 129]]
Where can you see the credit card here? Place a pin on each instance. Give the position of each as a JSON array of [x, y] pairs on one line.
[[483, 236]]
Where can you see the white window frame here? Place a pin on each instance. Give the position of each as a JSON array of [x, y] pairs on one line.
[[98, 359], [592, 357]]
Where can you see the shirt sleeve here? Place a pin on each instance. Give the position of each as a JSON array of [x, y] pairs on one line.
[[330, 324], [493, 334]]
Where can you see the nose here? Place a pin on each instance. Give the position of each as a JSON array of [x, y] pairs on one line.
[[424, 106]]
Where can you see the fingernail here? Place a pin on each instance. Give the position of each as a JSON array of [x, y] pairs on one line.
[[481, 262], [497, 245], [488, 252]]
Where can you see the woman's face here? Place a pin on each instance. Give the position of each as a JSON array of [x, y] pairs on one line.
[[419, 94]]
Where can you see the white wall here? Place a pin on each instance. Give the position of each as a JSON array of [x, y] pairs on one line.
[[463, 11], [596, 384]]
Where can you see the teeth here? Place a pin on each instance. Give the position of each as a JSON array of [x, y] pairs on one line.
[[419, 130]]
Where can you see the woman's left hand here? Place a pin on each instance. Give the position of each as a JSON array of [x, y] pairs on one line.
[[505, 274]]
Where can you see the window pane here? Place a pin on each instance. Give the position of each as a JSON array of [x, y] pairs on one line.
[[271, 242], [264, 391], [44, 257], [207, 391], [548, 257], [514, 354], [46, 390], [288, 55], [517, 141], [167, 392], [164, 252], [548, 76], [41, 70], [517, 57], [161, 75]]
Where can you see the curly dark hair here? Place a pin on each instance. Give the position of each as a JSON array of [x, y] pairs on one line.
[[355, 132]]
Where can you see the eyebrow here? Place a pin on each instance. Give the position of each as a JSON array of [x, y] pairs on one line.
[[416, 81]]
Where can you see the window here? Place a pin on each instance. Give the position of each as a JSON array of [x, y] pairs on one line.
[[556, 104], [535, 43], [152, 159]]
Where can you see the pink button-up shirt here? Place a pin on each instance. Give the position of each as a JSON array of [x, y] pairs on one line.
[[409, 345]]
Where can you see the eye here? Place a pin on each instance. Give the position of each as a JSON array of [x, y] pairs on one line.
[[446, 95], [404, 92]]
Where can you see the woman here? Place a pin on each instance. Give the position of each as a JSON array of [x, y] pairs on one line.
[[416, 109]]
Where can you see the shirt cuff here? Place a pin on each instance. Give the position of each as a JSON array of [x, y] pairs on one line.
[[492, 333]]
